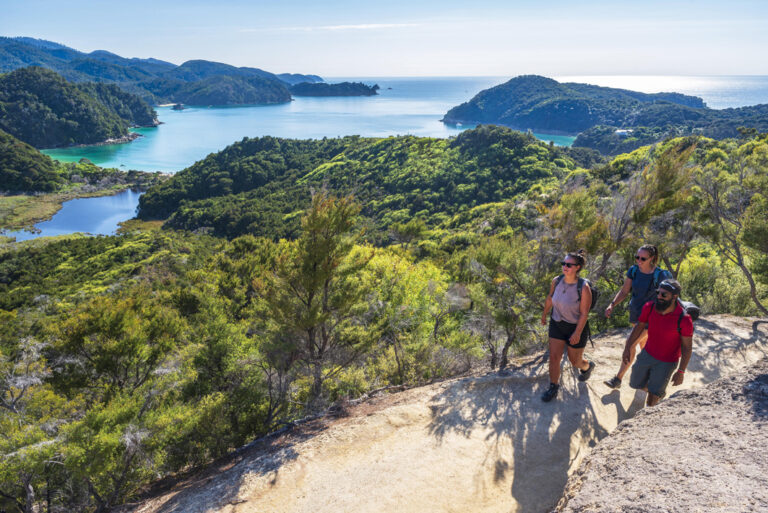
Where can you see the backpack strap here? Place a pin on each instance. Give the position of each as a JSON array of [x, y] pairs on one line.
[[656, 278], [632, 273], [680, 318], [579, 286]]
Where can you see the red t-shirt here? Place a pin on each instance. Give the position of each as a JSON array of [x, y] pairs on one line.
[[663, 338]]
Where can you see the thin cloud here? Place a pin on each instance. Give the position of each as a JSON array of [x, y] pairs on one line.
[[361, 26]]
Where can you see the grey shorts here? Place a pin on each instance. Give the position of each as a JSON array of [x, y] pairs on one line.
[[650, 373]]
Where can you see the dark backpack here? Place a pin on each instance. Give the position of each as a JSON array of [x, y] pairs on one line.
[[689, 309]]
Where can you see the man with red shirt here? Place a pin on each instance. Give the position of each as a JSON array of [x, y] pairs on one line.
[[670, 339]]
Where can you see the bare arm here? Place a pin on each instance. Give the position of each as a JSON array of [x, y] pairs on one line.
[[620, 295], [586, 302], [632, 340], [686, 349], [548, 303]]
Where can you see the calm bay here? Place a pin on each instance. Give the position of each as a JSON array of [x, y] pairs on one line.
[[411, 106]]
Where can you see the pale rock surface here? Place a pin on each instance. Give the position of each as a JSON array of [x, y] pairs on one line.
[[701, 451], [477, 444]]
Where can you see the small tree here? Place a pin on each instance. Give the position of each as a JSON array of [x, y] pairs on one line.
[[504, 288], [314, 295]]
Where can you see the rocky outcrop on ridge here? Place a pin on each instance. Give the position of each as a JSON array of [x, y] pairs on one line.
[[702, 450]]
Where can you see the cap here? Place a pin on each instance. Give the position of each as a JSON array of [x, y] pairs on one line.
[[672, 286]]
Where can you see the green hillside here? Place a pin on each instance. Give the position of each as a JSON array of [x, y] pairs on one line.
[[23, 168], [257, 185], [136, 358], [41, 108]]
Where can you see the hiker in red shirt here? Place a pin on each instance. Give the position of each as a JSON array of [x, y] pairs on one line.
[[669, 344]]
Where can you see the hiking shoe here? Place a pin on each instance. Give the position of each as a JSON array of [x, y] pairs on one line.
[[585, 374], [614, 382], [550, 393]]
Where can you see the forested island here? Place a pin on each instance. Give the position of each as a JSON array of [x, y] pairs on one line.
[[195, 82], [340, 89], [292, 275], [607, 119], [41, 108]]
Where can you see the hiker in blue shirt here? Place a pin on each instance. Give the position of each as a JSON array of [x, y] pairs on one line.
[[641, 281]]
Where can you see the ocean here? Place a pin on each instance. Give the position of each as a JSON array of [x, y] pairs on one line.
[[404, 106]]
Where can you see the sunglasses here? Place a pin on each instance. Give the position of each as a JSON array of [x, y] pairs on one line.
[[663, 295], [642, 259], [568, 264]]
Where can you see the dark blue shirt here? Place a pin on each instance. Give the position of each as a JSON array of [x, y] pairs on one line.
[[643, 290]]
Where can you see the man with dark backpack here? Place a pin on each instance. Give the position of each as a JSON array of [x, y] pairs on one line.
[[669, 345]]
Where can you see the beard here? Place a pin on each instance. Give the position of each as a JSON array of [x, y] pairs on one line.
[[662, 305]]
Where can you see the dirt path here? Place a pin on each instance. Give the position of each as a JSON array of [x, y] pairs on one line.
[[479, 444]]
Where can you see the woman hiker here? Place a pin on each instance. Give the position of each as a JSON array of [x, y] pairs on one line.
[[642, 280], [568, 325]]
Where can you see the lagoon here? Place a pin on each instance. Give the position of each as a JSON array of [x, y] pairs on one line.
[[95, 216]]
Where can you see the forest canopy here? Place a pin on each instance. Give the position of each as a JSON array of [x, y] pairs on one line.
[[344, 266]]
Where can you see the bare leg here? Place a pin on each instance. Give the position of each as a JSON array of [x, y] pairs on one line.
[[624, 366], [556, 350], [576, 357], [653, 400]]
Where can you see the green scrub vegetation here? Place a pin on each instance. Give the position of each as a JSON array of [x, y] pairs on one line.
[[293, 275]]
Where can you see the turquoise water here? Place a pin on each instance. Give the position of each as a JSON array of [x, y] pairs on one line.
[[97, 216], [404, 106]]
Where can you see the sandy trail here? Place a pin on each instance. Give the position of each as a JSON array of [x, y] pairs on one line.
[[479, 444]]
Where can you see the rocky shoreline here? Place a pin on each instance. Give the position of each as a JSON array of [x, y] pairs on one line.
[[131, 136]]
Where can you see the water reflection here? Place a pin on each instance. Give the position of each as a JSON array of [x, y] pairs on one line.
[[96, 216]]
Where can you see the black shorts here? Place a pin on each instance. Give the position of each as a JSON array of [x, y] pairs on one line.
[[562, 330]]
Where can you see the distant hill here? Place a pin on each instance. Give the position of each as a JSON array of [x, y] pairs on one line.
[[540, 103], [41, 108], [340, 89], [156, 81], [220, 90], [295, 78]]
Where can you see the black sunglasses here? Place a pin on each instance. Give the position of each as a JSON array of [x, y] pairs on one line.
[[642, 259], [568, 264]]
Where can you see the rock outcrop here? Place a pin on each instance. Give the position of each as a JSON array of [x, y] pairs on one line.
[[702, 450]]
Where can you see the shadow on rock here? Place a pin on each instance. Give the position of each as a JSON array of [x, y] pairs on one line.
[[536, 442], [711, 360], [757, 391], [614, 398]]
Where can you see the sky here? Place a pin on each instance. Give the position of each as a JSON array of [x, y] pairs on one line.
[[335, 38]]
